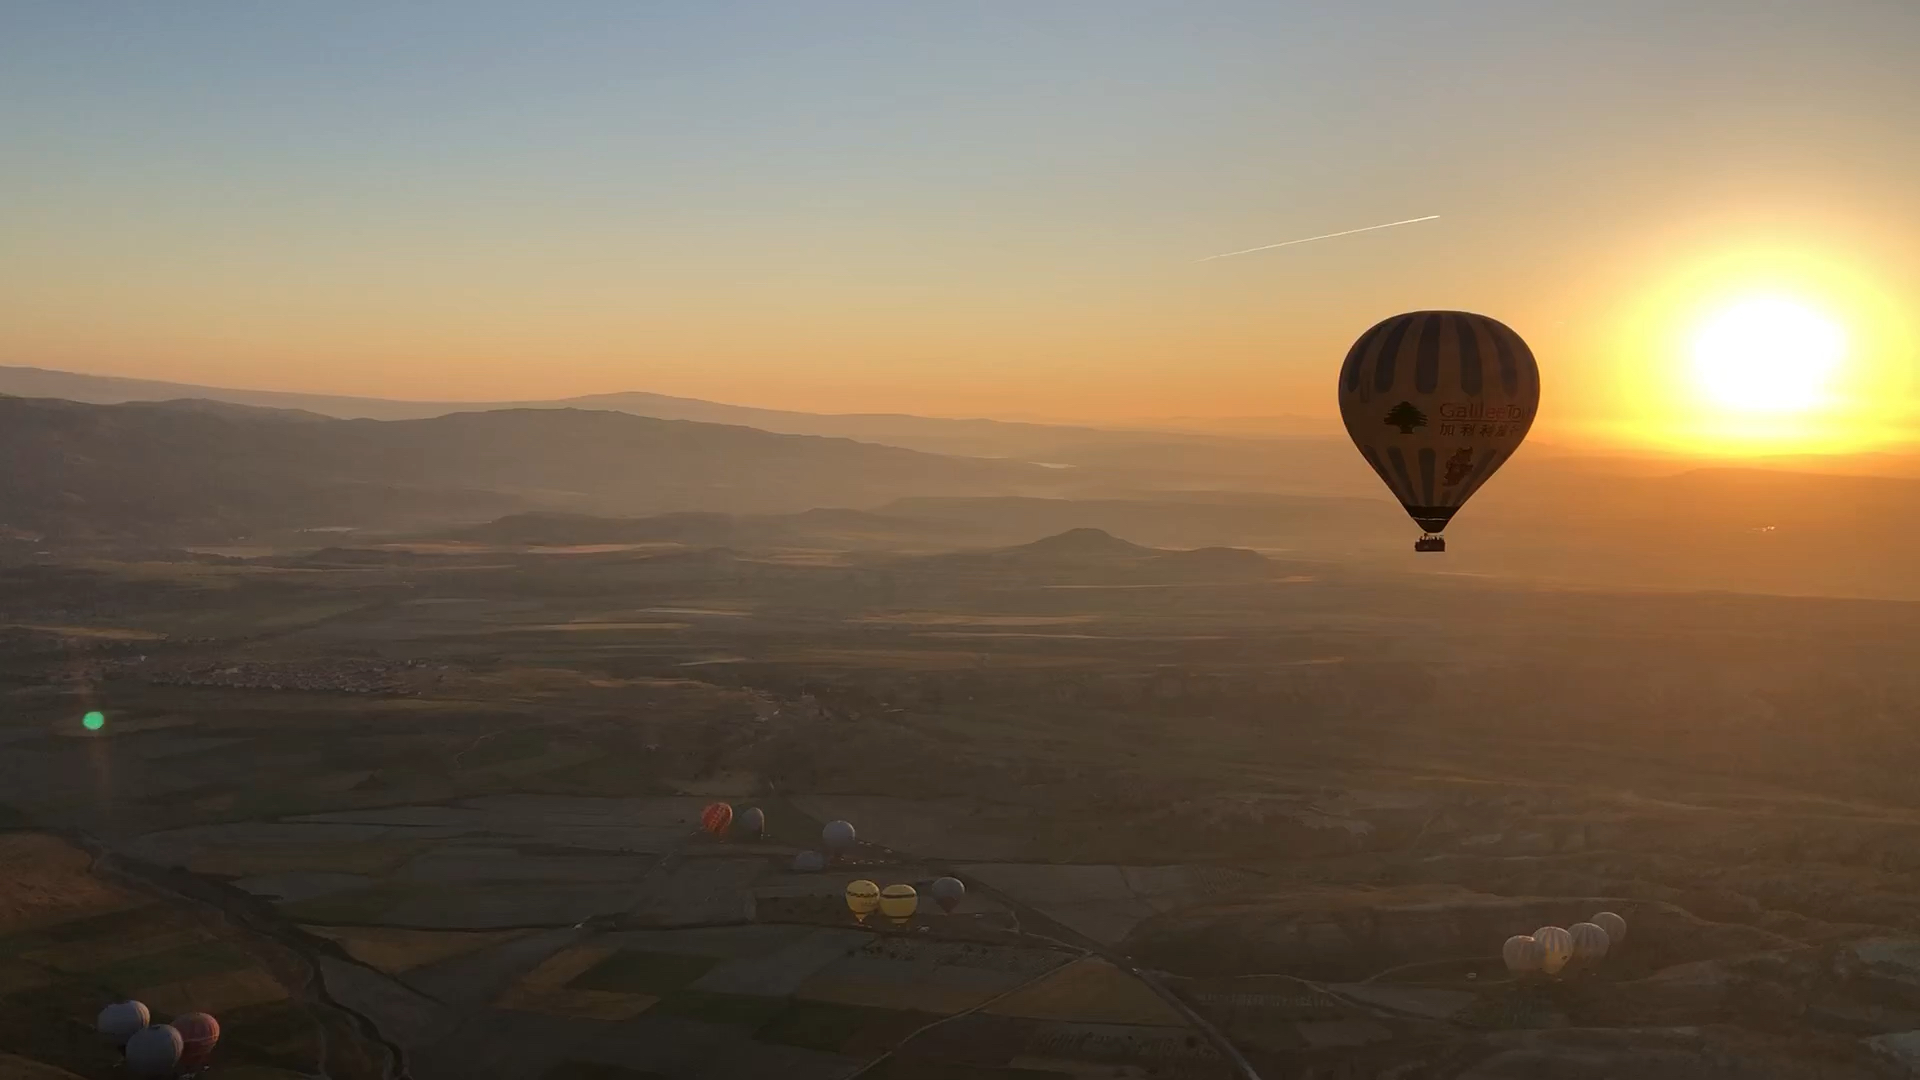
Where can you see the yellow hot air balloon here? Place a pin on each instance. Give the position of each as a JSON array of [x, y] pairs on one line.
[[1558, 944], [899, 902], [1436, 401], [862, 897], [1522, 954]]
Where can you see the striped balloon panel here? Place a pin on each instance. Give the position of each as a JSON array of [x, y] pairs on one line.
[[1437, 401]]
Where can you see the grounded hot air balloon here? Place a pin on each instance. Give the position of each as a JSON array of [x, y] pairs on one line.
[[1589, 942], [154, 1051], [1522, 954], [809, 862], [899, 902], [752, 823], [947, 892], [1558, 945], [1614, 925], [121, 1019], [199, 1034], [1437, 401], [716, 817], [838, 838], [862, 897]]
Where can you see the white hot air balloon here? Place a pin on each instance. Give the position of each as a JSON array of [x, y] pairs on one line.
[[1589, 942], [1436, 401], [837, 837], [1614, 925], [154, 1051], [1558, 944], [1522, 954], [120, 1020]]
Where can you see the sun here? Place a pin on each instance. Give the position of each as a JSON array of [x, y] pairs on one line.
[[1767, 354]]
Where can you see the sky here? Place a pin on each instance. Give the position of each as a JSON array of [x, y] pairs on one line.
[[989, 208]]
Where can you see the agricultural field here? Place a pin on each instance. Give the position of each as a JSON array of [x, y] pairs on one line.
[[438, 809]]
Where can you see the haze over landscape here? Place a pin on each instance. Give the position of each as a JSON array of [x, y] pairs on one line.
[[459, 463]]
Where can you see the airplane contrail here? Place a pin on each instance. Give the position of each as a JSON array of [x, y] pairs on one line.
[[1324, 236]]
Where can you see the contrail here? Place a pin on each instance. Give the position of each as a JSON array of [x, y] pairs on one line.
[[1326, 236]]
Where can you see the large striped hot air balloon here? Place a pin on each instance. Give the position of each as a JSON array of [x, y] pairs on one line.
[[716, 817], [1437, 401]]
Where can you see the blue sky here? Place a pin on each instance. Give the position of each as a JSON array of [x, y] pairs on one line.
[[957, 208]]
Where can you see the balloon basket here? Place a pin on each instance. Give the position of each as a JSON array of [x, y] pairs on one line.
[[1430, 542]]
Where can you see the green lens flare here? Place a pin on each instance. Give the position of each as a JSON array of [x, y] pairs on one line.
[[94, 721]]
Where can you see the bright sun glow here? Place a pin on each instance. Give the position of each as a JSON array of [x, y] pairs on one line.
[[1767, 354], [1759, 350]]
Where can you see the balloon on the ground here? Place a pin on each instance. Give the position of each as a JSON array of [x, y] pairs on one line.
[[1437, 401], [899, 902], [837, 836], [1614, 925], [947, 892], [120, 1020], [862, 897], [199, 1034], [751, 823], [809, 862], [154, 1051], [716, 817], [1522, 953], [1558, 944], [1589, 941]]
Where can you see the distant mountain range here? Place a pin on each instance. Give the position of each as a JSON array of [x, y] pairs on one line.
[[203, 472], [1056, 443]]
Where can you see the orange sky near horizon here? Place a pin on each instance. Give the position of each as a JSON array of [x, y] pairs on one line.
[[1016, 238]]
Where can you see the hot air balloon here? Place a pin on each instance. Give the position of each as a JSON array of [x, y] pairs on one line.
[[838, 838], [1437, 401], [199, 1033], [154, 1051], [862, 897], [1522, 954], [1558, 945], [716, 817], [809, 862], [121, 1019], [752, 823], [899, 902], [1614, 925], [947, 892], [1589, 942]]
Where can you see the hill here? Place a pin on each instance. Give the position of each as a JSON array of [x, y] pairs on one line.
[[824, 528], [154, 471], [963, 437]]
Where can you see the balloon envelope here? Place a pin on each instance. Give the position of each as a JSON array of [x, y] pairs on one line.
[[1558, 945], [199, 1033], [837, 836], [809, 862], [862, 897], [1521, 953], [752, 822], [121, 1019], [899, 902], [716, 817], [1614, 925], [947, 892], [1589, 941], [1437, 401], [154, 1051]]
